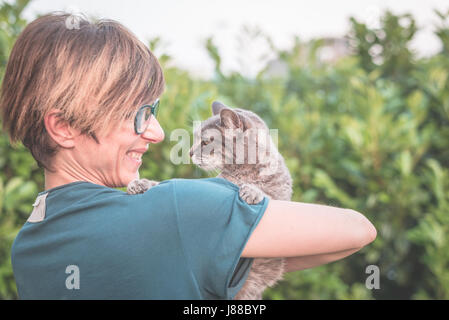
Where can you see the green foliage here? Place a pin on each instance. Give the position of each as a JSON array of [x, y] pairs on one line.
[[431, 233], [368, 131], [20, 177], [443, 30], [386, 48], [11, 24]]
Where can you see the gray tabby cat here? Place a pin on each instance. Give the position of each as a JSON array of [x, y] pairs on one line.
[[257, 176]]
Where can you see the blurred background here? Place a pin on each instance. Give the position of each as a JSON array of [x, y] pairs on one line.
[[359, 92]]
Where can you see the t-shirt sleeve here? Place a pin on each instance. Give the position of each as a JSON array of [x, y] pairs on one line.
[[214, 225]]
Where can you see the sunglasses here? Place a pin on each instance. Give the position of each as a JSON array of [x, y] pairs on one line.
[[143, 116]]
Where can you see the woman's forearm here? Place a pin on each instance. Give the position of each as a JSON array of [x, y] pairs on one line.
[[305, 262]]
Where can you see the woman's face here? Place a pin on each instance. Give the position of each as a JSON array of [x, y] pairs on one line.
[[116, 160]]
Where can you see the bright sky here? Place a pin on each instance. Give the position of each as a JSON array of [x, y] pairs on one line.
[[184, 24]]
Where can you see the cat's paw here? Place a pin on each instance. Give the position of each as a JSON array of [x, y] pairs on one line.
[[250, 193], [140, 186]]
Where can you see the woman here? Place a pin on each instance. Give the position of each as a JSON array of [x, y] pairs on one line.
[[72, 96]]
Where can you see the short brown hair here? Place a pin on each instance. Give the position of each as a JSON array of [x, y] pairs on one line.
[[95, 73]]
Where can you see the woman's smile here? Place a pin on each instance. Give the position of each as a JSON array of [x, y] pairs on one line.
[[134, 157]]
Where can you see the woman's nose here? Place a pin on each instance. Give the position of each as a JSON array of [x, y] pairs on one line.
[[154, 132]]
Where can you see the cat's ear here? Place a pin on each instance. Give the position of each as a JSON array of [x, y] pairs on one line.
[[216, 107], [247, 124], [230, 119]]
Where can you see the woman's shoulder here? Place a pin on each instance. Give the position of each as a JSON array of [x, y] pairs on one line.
[[203, 191], [206, 184]]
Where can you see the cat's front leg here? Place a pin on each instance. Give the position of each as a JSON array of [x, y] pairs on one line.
[[140, 186], [250, 193]]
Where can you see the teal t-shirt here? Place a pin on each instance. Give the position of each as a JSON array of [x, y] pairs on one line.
[[181, 239]]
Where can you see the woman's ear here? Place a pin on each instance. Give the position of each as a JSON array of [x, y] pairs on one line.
[[59, 129]]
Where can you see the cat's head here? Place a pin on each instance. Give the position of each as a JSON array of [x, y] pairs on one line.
[[232, 139]]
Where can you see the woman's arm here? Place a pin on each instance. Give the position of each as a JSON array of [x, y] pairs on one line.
[[293, 229]]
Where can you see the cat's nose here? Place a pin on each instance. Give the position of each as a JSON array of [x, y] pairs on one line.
[[191, 153]]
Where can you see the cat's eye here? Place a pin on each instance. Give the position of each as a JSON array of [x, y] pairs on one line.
[[205, 142]]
